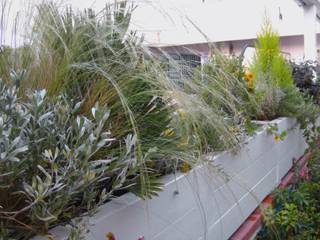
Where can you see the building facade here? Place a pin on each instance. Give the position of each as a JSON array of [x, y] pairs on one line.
[[186, 26]]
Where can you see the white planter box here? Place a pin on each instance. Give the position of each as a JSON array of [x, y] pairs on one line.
[[208, 206]]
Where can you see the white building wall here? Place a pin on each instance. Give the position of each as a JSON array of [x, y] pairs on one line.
[[310, 38], [174, 22], [293, 45]]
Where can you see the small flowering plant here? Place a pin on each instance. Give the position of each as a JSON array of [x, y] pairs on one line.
[[273, 129], [248, 76]]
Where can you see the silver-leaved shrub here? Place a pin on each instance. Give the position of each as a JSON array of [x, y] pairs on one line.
[[50, 171]]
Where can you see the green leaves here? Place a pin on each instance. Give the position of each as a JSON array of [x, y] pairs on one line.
[[274, 94], [269, 59], [288, 217], [295, 214], [49, 172], [147, 186]]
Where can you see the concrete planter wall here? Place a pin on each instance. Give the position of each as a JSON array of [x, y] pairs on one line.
[[203, 204]]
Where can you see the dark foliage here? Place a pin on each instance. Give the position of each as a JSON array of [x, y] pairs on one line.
[[306, 77]]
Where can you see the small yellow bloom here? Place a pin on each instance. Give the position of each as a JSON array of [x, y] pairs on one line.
[[184, 141], [277, 138], [110, 236], [248, 76], [249, 79], [185, 167], [182, 113], [169, 132]]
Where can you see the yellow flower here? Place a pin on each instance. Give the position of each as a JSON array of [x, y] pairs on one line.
[[185, 167], [277, 138], [184, 141], [169, 132], [182, 113], [249, 79], [248, 76], [110, 236]]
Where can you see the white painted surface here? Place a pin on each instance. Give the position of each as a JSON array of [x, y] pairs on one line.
[[171, 22], [310, 32], [293, 45], [208, 205]]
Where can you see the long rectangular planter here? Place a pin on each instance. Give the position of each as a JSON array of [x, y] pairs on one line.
[[203, 204]]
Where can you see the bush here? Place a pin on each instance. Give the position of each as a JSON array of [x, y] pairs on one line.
[[295, 214], [269, 60], [49, 169], [306, 77], [272, 92], [271, 76]]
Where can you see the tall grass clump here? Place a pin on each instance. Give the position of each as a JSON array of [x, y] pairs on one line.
[[220, 85]]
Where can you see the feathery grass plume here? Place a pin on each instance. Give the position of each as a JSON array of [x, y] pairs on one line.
[[221, 85]]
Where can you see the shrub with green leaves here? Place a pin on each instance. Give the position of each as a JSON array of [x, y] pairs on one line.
[[273, 93], [269, 61], [49, 169], [265, 91], [306, 77], [296, 211], [271, 76]]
